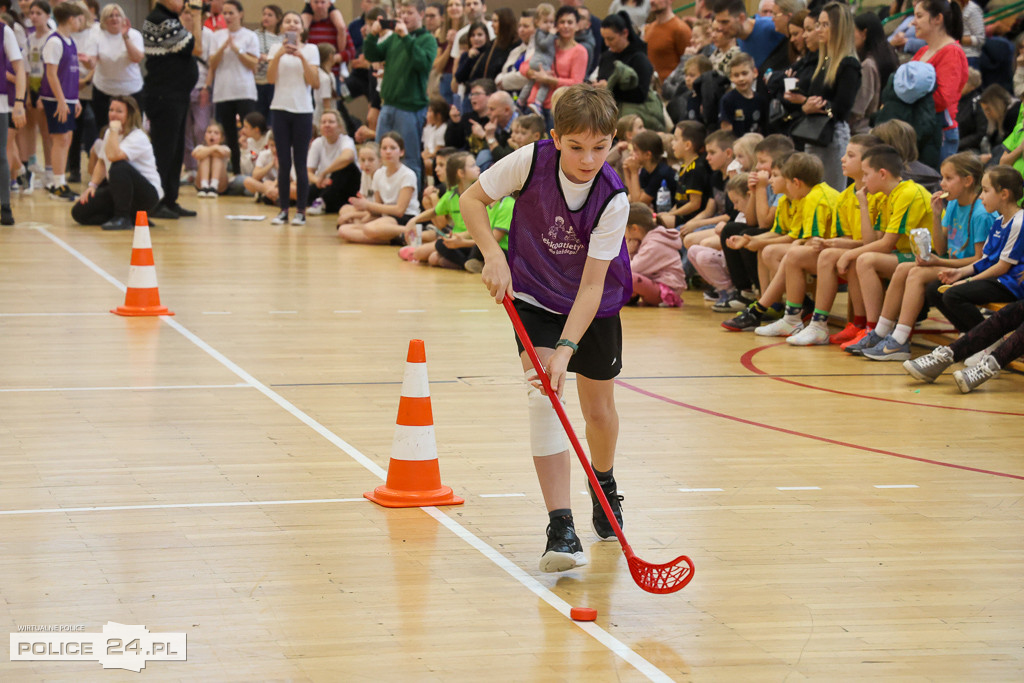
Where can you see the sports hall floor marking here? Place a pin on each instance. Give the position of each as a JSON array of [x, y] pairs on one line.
[[798, 488], [40, 315], [240, 385], [804, 435], [747, 360], [616, 646], [173, 506], [896, 486]]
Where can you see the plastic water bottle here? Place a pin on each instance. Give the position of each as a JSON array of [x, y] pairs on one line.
[[663, 202]]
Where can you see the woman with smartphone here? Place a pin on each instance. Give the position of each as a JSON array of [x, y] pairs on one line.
[[293, 69]]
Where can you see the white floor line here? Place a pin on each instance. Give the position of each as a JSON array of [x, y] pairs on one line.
[[171, 506], [48, 315], [798, 488], [176, 386], [615, 645], [895, 486]]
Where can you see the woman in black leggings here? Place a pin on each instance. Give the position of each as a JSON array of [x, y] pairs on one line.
[[125, 180]]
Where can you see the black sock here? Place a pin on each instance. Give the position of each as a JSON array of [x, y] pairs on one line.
[[604, 477], [564, 512]]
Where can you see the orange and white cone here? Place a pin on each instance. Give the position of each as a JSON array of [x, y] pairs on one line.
[[414, 479], [143, 295]]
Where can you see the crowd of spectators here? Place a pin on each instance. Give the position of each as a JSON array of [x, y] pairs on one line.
[[451, 89]]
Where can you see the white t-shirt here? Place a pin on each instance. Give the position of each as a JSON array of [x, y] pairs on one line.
[[13, 53], [116, 73], [433, 137], [324, 91], [389, 186], [139, 150], [322, 153], [233, 80], [34, 69], [291, 93], [204, 59], [84, 41], [509, 174], [250, 149]]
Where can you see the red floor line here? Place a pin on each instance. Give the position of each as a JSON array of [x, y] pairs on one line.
[[747, 359], [804, 435]]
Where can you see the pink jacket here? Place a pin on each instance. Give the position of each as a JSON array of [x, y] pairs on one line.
[[658, 258]]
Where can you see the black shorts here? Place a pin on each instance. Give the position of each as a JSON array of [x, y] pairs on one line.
[[600, 354]]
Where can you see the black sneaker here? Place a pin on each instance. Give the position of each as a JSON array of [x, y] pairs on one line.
[[181, 211], [564, 550], [602, 527], [119, 223], [6, 216], [745, 321]]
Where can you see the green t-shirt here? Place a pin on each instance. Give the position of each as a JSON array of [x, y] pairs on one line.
[[500, 214], [1014, 139], [448, 205]]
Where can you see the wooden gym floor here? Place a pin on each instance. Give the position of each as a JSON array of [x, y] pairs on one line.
[[203, 474]]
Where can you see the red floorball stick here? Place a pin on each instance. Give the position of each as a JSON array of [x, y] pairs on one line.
[[653, 578]]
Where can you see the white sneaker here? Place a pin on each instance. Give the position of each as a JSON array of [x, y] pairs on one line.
[[812, 335], [280, 219], [779, 328], [299, 219], [317, 208]]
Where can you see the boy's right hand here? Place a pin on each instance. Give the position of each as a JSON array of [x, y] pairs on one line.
[[497, 278]]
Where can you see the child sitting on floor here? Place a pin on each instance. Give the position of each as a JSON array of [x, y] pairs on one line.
[[212, 157], [654, 259]]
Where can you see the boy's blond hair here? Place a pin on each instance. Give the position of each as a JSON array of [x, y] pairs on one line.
[[544, 11], [641, 214], [738, 183], [804, 167], [584, 108]]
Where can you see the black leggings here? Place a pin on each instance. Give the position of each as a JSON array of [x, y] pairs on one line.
[[960, 303], [1009, 318], [123, 193], [344, 184], [225, 113], [741, 263], [292, 133]]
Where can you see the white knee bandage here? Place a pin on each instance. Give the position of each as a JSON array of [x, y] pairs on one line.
[[547, 437]]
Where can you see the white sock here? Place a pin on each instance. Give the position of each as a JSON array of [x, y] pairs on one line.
[[792, 319], [819, 324], [884, 327], [59, 181], [902, 333]]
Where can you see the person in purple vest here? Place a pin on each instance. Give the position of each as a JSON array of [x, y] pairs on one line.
[[12, 104], [568, 271], [59, 91]]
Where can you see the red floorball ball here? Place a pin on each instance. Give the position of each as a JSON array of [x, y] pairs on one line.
[[583, 613]]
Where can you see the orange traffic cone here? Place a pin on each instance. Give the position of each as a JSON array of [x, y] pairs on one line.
[[143, 295], [414, 479]]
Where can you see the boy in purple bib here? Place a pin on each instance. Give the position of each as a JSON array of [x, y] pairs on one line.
[[59, 91], [568, 271]]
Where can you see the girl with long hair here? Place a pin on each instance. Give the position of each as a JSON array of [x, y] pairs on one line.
[[878, 61]]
